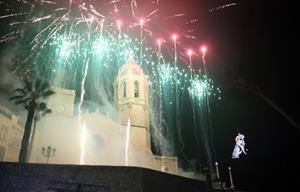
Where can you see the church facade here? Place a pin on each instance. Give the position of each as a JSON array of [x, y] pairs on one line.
[[96, 139]]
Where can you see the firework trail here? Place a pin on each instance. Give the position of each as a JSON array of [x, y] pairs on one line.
[[82, 124], [222, 7], [77, 45], [127, 143]]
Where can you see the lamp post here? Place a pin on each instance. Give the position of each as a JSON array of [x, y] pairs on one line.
[[217, 170], [48, 152], [231, 179], [218, 181]]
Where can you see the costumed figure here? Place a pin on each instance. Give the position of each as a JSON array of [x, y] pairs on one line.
[[239, 147]]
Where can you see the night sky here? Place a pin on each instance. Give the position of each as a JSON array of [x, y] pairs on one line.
[[246, 46]]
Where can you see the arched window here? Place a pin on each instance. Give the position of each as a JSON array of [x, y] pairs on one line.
[[136, 89], [124, 89]]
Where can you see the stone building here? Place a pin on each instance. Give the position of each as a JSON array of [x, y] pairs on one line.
[[10, 135]]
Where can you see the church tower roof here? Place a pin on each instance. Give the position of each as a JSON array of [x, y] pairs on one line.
[[131, 67]]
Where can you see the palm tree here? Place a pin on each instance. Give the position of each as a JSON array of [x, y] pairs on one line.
[[32, 96], [40, 112]]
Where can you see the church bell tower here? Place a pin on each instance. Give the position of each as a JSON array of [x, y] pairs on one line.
[[131, 94]]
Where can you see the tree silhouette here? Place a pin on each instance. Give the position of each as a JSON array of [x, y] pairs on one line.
[[40, 112], [32, 96]]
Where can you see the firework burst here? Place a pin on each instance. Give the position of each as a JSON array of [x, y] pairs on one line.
[[77, 46]]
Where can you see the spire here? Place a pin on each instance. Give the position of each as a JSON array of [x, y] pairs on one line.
[[131, 68], [131, 59]]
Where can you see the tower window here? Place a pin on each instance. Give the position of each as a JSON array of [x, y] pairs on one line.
[[124, 89], [136, 89]]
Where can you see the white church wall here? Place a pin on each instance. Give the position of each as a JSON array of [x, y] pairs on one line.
[[104, 141]]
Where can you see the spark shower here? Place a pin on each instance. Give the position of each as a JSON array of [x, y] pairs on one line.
[[81, 45]]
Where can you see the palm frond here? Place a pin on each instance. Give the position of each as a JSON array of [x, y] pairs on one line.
[[47, 93], [19, 90], [18, 102], [27, 99], [16, 97], [35, 90], [47, 111], [41, 106], [23, 101]]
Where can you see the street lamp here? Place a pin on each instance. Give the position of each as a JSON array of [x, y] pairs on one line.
[[231, 179], [48, 152], [217, 170]]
